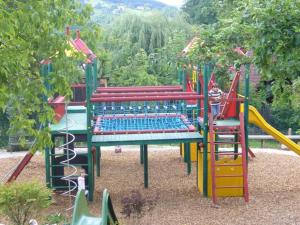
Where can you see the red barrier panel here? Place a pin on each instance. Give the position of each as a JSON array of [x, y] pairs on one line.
[[146, 98]]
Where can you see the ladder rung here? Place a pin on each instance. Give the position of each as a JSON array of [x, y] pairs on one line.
[[220, 187], [225, 127], [228, 164], [231, 175], [226, 132], [70, 165], [72, 177]]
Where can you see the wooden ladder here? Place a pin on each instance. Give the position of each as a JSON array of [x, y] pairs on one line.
[[215, 129]]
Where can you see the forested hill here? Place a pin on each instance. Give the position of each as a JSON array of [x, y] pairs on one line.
[[107, 10]]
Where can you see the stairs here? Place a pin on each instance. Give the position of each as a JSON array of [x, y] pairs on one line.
[[236, 177]]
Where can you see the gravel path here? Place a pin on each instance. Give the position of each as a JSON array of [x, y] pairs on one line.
[[274, 183]]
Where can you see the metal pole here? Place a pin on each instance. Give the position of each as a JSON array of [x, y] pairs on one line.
[[89, 131], [98, 160], [188, 158], [246, 106], [205, 132], [142, 154], [146, 181]]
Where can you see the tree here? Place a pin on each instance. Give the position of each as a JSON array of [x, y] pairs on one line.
[[30, 32], [134, 73], [159, 36], [270, 30], [200, 11]]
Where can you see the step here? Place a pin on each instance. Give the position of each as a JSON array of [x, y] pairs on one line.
[[225, 127], [227, 132], [228, 164], [61, 165], [229, 175], [221, 187], [69, 177]]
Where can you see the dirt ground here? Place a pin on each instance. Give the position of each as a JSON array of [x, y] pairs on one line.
[[274, 183]]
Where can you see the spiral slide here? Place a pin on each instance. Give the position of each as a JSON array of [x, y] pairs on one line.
[[256, 118]]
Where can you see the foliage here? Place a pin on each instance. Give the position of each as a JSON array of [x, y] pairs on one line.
[[200, 11], [159, 36], [134, 73], [23, 201], [269, 31], [30, 32], [57, 218]]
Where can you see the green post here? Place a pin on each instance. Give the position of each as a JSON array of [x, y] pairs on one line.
[[47, 165], [185, 146], [89, 87], [142, 154], [98, 159], [45, 69], [95, 74], [246, 105], [183, 72], [198, 114], [188, 158], [145, 153], [205, 132]]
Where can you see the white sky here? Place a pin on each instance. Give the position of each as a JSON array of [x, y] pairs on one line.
[[177, 3]]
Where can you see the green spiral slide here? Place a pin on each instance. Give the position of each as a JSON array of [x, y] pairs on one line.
[[81, 215]]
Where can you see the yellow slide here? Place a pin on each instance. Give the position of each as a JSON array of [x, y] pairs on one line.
[[256, 118]]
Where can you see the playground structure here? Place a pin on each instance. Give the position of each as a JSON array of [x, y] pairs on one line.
[[156, 115]]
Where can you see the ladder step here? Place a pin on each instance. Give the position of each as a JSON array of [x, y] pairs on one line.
[[231, 175], [221, 187], [72, 177], [226, 132], [225, 127], [228, 164], [70, 165]]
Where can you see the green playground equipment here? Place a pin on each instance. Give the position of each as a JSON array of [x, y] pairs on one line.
[[82, 216]]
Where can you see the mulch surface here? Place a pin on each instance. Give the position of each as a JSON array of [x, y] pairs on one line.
[[274, 184]]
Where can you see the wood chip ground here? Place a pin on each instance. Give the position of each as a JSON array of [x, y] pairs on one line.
[[274, 183]]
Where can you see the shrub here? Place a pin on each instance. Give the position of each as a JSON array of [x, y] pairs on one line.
[[135, 204], [23, 201]]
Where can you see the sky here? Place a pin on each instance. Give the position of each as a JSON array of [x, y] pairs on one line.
[[176, 3]]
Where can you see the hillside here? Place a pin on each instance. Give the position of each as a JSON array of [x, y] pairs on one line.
[[138, 3], [106, 10]]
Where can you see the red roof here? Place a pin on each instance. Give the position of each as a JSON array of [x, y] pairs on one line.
[[81, 46]]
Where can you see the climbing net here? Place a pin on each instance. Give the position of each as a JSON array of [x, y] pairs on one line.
[[144, 117]]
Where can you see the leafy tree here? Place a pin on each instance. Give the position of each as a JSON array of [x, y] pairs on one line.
[[23, 201], [30, 32], [134, 73], [161, 38], [200, 11], [270, 31]]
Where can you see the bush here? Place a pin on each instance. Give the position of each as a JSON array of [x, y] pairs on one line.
[[23, 201]]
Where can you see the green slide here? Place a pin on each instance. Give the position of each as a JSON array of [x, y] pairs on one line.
[[81, 215]]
